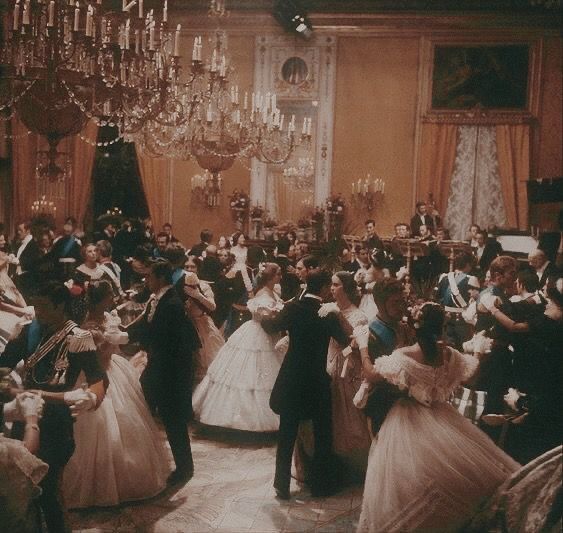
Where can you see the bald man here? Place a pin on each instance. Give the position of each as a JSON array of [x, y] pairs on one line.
[[542, 266]]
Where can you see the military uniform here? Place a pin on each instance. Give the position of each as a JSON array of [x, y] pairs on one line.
[[383, 339], [53, 363]]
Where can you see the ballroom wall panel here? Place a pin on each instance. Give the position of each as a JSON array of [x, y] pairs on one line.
[[375, 117], [549, 158]]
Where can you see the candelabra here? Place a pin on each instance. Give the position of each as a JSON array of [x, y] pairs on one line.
[[42, 207], [67, 61], [367, 193], [207, 189]]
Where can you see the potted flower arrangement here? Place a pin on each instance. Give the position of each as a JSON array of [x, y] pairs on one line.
[[239, 205], [336, 205], [256, 215], [268, 229], [256, 212], [318, 222]]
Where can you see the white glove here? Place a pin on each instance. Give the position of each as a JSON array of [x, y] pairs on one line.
[[326, 309], [80, 400], [87, 403], [30, 404], [29, 312], [72, 396], [482, 344], [282, 345], [478, 344], [361, 334], [512, 397], [13, 259], [361, 397], [468, 346], [12, 412], [402, 272], [488, 300]]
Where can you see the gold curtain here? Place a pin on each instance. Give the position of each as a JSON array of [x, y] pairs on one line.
[[437, 163], [24, 148], [24, 161], [155, 177], [513, 153], [80, 184]]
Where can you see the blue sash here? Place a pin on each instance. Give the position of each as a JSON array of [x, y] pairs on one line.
[[33, 336], [384, 333], [176, 275], [68, 246]]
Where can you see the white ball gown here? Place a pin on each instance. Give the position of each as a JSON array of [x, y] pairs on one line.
[[365, 277], [429, 468], [235, 392], [119, 454], [211, 339]]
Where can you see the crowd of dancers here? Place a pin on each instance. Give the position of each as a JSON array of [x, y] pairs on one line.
[[434, 403]]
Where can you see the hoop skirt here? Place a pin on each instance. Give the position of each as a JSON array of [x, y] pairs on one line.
[[429, 468], [119, 456], [235, 392]]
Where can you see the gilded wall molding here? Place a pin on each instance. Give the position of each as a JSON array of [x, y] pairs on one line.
[[478, 117], [271, 52]]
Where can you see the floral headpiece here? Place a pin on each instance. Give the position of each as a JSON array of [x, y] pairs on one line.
[[417, 315]]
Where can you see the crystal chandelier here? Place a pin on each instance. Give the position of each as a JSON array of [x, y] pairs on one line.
[[209, 119], [300, 176], [67, 61]]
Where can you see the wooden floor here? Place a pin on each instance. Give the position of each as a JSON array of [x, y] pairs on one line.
[[231, 491]]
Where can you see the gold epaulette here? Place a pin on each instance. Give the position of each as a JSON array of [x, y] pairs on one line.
[[81, 340]]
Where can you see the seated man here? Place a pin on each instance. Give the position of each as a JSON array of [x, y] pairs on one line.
[[371, 239], [542, 266]]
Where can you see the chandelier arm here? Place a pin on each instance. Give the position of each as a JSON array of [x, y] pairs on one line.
[[17, 98]]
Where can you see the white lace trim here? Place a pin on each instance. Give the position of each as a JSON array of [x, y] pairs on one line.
[[264, 303], [424, 383], [14, 452]]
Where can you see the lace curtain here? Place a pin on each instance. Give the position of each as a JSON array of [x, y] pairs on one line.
[[475, 190]]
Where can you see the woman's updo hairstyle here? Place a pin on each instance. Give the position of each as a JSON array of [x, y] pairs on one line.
[[377, 258], [266, 274], [85, 247], [98, 291], [349, 286], [235, 237], [429, 325]]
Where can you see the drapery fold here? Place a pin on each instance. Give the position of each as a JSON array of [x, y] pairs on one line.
[[437, 162], [513, 152], [80, 185], [24, 149], [24, 161], [155, 177]]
